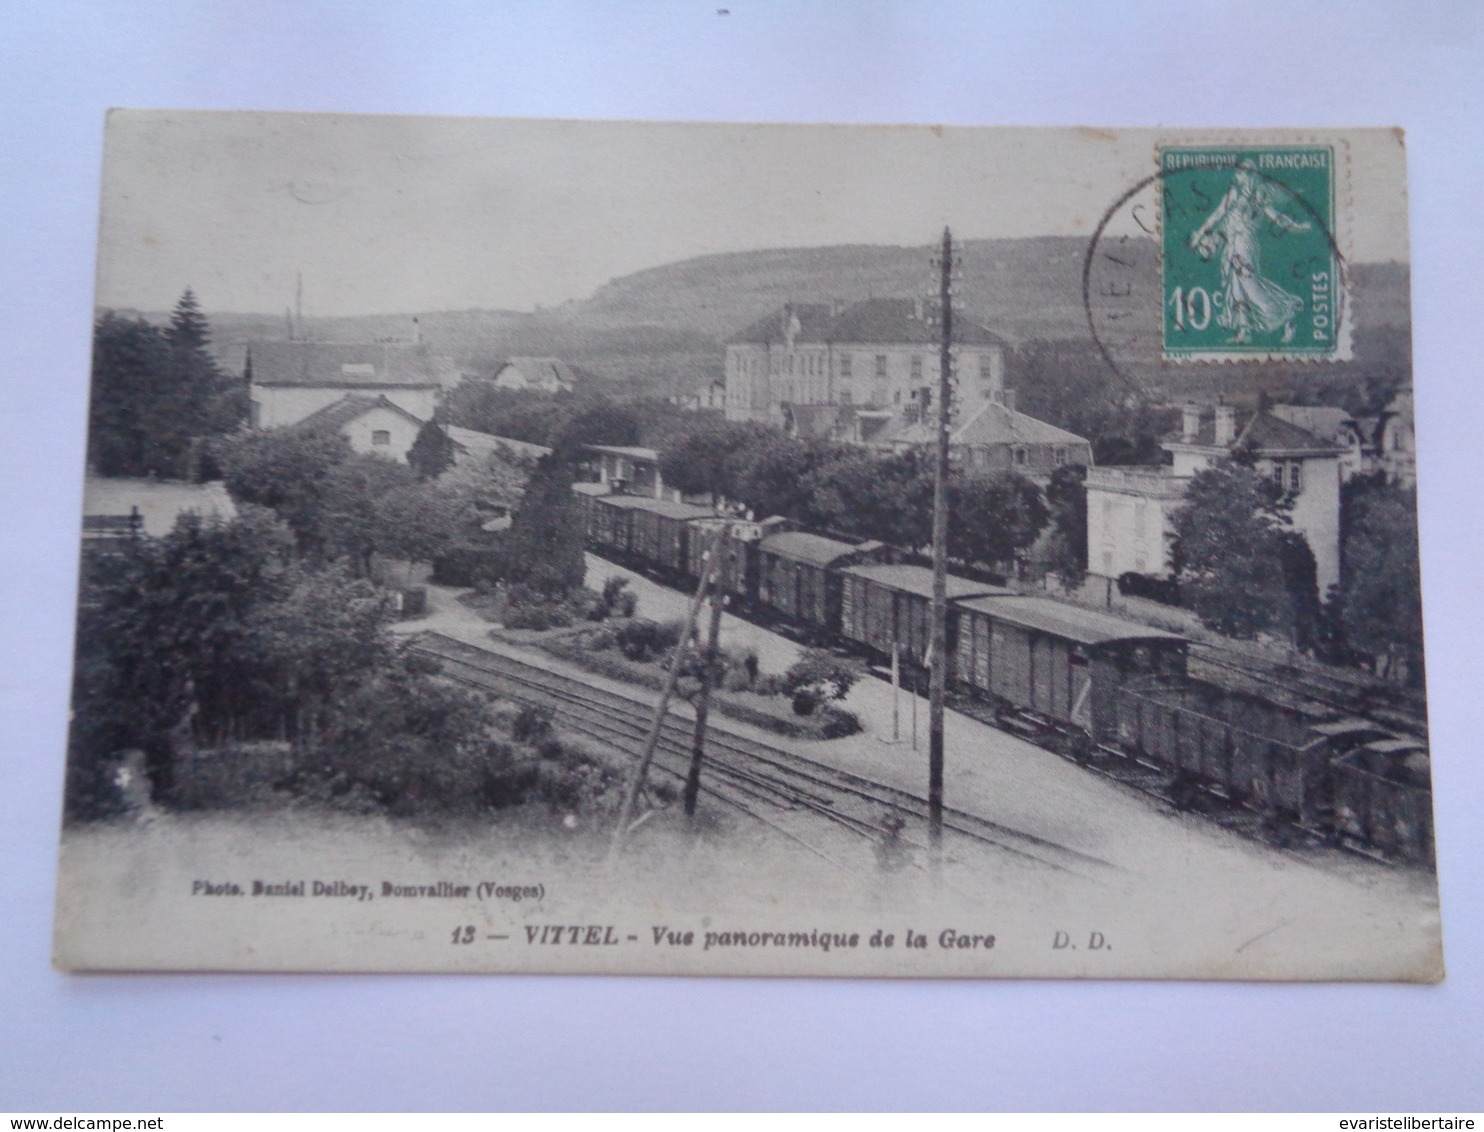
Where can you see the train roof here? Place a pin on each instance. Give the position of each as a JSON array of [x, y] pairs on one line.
[[1072, 622], [665, 507], [804, 547], [919, 580]]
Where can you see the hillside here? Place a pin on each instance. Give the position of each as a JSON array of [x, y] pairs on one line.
[[662, 330]]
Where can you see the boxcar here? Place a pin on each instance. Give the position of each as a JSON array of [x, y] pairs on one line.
[[1383, 799], [660, 533], [1062, 662], [797, 576], [882, 606], [737, 574]]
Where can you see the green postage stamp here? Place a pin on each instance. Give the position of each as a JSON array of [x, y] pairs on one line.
[[1251, 268]]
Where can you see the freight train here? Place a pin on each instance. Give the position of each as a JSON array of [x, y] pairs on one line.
[[1080, 678]]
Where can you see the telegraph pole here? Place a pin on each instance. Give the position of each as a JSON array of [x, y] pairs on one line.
[[636, 784], [937, 656], [703, 706]]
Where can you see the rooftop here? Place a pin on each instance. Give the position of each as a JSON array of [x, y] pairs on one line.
[[338, 414], [868, 322], [486, 444], [665, 507], [992, 424], [804, 547], [352, 365], [632, 453], [919, 580], [1070, 622]]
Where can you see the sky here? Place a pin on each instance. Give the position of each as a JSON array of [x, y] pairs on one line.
[[386, 214]]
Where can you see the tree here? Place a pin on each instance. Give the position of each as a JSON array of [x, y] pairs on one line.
[[1380, 585], [161, 636], [287, 470], [432, 452], [215, 402], [1066, 546], [350, 506], [527, 415], [701, 462], [771, 474], [545, 543], [135, 423], [1228, 551], [993, 518], [600, 421], [420, 522], [889, 498]]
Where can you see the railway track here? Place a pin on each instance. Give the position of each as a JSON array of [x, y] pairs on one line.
[[742, 771]]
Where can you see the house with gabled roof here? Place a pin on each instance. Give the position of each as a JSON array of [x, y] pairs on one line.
[[288, 381], [373, 424], [1129, 509], [549, 375], [876, 354], [992, 436]]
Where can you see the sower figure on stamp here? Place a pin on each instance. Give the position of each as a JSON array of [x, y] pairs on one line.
[[1250, 302]]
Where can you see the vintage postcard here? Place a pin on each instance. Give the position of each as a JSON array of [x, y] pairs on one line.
[[599, 547]]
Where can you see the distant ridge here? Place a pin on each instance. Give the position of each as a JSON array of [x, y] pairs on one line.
[[660, 330]]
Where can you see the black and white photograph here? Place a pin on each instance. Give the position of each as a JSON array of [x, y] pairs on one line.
[[715, 549]]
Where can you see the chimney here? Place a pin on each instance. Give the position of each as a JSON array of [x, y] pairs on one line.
[[1226, 425], [1009, 397], [1190, 422]]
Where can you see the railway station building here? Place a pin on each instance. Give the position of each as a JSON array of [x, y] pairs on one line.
[[377, 394]]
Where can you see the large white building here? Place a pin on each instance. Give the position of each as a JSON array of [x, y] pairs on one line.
[[1129, 508], [877, 354], [378, 394]]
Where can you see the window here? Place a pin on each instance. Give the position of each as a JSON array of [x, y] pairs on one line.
[[987, 393], [986, 367], [916, 367], [897, 397], [1295, 478], [381, 437], [880, 365], [1020, 457], [844, 365], [1060, 456]]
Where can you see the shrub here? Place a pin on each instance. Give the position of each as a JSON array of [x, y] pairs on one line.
[[822, 675], [837, 723], [480, 566], [805, 701], [642, 640], [532, 724], [617, 600], [229, 776], [573, 781], [537, 617], [768, 684], [1166, 591]]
